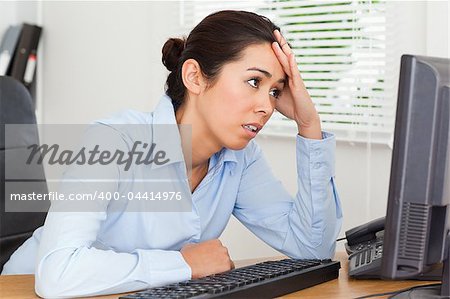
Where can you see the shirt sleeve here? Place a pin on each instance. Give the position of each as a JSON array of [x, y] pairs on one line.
[[68, 265], [305, 226]]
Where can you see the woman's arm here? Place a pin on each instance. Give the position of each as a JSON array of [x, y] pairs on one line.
[[294, 101], [305, 226], [68, 265]]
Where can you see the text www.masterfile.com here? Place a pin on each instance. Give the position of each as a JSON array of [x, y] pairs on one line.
[[98, 195]]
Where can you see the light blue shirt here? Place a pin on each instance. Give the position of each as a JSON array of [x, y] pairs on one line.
[[104, 252]]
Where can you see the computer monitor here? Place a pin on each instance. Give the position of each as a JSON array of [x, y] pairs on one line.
[[417, 229]]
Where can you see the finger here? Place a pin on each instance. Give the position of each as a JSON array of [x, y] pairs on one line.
[[282, 58], [283, 43], [295, 73], [281, 55], [279, 37], [232, 265]]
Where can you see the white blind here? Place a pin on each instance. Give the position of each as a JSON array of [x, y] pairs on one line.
[[344, 55]]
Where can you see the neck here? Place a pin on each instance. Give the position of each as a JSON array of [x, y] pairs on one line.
[[197, 138]]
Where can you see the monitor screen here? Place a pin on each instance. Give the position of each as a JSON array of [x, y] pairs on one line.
[[418, 213]]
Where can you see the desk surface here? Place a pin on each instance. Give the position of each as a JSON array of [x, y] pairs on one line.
[[22, 286]]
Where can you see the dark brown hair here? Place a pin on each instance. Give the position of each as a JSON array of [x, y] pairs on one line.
[[219, 38]]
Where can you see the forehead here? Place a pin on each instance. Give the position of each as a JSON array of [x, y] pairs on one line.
[[260, 56]]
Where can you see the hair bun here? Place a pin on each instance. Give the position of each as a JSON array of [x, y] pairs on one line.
[[171, 52]]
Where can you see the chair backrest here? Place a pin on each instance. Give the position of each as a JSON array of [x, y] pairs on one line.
[[16, 108]]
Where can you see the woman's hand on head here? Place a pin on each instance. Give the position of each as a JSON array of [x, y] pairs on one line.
[[295, 102], [206, 258]]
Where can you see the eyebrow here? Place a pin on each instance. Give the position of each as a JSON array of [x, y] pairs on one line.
[[266, 73]]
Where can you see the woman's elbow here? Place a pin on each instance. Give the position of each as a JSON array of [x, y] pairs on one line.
[[45, 290], [328, 251], [46, 285], [51, 274], [324, 248]]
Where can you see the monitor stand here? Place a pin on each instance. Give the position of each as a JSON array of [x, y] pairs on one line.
[[434, 291]]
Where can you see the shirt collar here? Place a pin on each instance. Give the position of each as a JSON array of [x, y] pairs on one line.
[[225, 156], [228, 155]]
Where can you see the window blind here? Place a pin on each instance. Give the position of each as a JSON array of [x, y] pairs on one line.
[[345, 56]]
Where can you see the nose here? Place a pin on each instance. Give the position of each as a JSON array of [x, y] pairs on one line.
[[264, 106]]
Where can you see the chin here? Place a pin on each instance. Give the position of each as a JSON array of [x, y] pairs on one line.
[[236, 148], [237, 145]]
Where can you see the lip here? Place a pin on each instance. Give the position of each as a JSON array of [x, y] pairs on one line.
[[252, 134]]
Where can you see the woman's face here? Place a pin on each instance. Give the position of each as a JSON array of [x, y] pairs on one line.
[[243, 97]]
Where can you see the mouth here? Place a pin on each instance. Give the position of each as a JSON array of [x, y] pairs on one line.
[[252, 128]]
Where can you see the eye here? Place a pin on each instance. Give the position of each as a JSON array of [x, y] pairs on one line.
[[254, 82], [275, 93]]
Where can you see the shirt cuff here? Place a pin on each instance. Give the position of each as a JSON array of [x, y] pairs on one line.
[[315, 158], [165, 267]]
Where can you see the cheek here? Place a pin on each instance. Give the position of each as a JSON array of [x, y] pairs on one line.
[[242, 98], [232, 100]]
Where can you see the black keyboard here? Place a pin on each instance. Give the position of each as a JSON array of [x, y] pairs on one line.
[[264, 280]]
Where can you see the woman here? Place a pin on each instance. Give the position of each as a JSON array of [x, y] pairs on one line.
[[225, 81]]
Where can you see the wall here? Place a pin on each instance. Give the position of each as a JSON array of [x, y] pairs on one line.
[[101, 57], [15, 12], [438, 28]]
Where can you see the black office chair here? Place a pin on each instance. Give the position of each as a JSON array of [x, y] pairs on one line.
[[16, 108]]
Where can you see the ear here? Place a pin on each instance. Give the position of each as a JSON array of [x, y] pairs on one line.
[[192, 76]]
